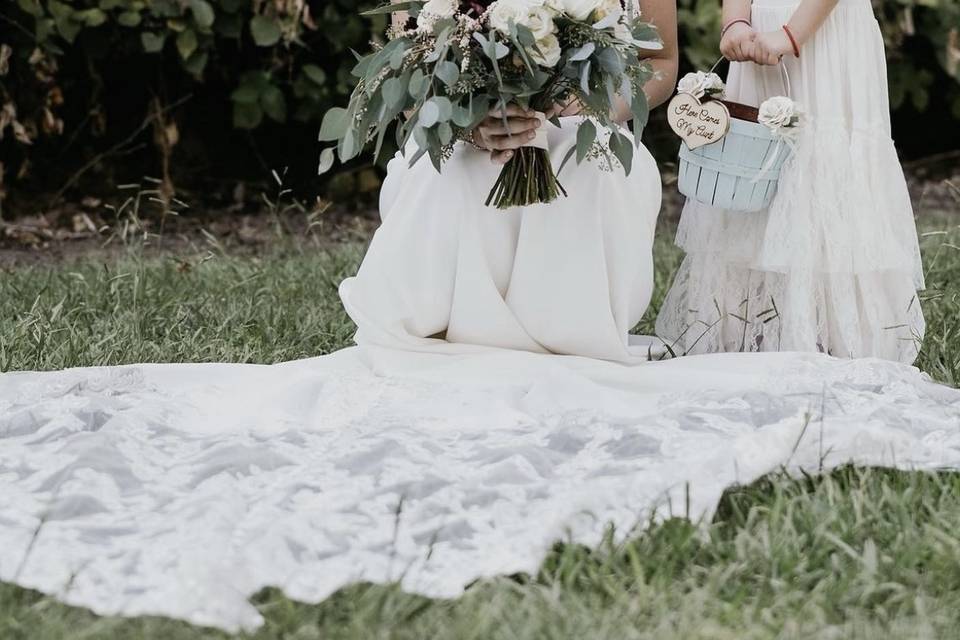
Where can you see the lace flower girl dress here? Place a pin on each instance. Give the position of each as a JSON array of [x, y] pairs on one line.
[[834, 265]]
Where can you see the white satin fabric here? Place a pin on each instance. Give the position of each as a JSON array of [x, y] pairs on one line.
[[180, 490], [571, 277]]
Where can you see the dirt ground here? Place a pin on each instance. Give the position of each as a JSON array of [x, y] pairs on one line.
[[251, 221]]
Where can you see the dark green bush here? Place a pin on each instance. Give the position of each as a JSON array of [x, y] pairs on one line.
[[87, 79]]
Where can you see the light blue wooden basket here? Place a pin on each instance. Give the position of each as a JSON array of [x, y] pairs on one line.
[[724, 174]]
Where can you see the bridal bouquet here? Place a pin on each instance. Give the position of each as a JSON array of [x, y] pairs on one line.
[[441, 74]]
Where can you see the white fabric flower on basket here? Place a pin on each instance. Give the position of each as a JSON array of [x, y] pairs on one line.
[[701, 84], [779, 113]]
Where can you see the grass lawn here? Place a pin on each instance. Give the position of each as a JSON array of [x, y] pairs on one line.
[[859, 553]]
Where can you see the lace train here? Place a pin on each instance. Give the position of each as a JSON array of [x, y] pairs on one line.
[[182, 489]]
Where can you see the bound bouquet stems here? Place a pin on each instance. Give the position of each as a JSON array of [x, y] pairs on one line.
[[527, 178]]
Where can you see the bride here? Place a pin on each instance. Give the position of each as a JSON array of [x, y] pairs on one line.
[[569, 277], [452, 444]]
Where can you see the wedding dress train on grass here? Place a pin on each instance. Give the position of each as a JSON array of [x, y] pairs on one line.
[[180, 490]]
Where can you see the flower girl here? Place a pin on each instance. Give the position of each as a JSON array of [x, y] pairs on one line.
[[833, 265]]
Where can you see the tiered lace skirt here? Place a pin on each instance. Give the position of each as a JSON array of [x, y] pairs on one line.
[[834, 265]]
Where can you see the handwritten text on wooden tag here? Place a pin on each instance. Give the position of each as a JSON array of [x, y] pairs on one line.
[[698, 124]]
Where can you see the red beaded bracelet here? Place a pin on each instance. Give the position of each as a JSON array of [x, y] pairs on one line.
[[793, 41], [727, 26]]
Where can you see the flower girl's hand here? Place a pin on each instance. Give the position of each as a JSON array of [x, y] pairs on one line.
[[770, 46], [737, 42], [502, 139]]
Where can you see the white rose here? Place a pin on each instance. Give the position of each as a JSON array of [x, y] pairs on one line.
[[435, 10], [576, 9], [700, 84], [532, 14], [609, 8], [780, 113], [540, 22], [504, 12], [548, 53]]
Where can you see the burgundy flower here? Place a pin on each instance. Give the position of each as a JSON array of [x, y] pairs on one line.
[[474, 7]]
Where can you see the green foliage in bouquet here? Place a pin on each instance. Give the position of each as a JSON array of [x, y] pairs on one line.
[[439, 79]]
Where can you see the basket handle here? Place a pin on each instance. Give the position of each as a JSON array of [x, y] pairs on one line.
[[783, 70]]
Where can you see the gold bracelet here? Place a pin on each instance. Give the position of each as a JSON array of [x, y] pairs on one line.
[[470, 139]]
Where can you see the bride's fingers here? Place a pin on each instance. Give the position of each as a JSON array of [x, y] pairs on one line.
[[512, 111], [513, 126], [503, 143], [501, 157]]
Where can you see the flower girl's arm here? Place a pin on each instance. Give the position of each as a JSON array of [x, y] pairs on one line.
[[803, 24], [736, 39], [664, 61], [808, 17]]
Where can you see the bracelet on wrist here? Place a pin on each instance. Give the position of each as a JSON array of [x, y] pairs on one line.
[[793, 41], [727, 26], [470, 138]]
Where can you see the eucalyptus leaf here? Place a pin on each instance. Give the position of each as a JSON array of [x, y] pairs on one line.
[[607, 22], [429, 114], [363, 64], [640, 108], [583, 52], [621, 148], [326, 160], [586, 135], [445, 132], [444, 107], [348, 147], [611, 61], [420, 136], [394, 91], [418, 84], [396, 58], [335, 124], [462, 117], [585, 78], [448, 72]]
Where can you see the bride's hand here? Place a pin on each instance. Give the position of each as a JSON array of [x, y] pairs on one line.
[[569, 107], [503, 138]]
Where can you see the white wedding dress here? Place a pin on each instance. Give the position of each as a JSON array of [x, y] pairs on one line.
[[180, 490], [834, 265]]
